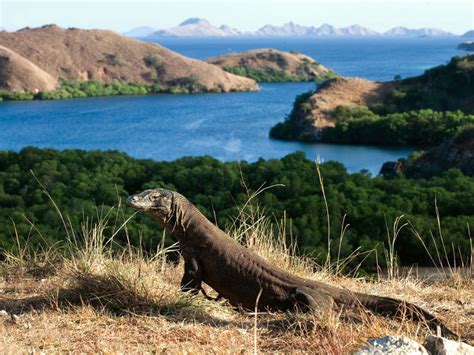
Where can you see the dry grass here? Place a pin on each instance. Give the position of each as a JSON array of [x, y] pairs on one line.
[[88, 298]]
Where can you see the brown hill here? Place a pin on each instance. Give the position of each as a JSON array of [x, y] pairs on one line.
[[273, 65], [19, 74], [443, 88], [457, 152], [342, 92], [107, 56]]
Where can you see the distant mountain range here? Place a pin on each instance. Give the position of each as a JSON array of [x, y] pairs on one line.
[[198, 27], [292, 29], [419, 32]]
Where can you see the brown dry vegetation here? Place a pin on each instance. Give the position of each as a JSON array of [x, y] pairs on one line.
[[341, 92], [85, 297], [108, 57], [19, 74]]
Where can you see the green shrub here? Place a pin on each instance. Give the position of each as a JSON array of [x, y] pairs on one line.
[[420, 128]]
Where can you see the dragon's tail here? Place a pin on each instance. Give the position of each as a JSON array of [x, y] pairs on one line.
[[396, 308]]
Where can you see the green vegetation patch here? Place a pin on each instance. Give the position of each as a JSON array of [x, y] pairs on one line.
[[277, 76], [88, 183], [422, 128], [443, 88], [289, 129], [70, 89]]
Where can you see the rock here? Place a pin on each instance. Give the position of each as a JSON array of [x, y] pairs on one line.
[[4, 313], [442, 346], [391, 345]]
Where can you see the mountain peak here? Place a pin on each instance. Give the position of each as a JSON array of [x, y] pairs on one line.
[[194, 21]]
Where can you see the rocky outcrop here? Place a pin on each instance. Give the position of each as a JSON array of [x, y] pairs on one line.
[[109, 57], [442, 346], [391, 345], [433, 345], [273, 65], [20, 75], [457, 152]]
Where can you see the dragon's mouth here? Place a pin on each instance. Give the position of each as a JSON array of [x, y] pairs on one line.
[[134, 202]]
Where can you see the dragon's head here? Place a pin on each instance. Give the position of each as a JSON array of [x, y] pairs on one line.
[[157, 203]]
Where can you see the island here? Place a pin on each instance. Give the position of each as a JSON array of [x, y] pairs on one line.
[[418, 111], [271, 65], [467, 46], [51, 62]]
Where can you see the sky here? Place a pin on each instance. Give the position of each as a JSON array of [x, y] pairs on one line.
[[453, 15]]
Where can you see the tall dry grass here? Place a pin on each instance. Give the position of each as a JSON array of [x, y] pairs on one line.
[[89, 295]]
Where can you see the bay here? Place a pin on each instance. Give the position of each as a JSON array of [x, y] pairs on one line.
[[231, 126]]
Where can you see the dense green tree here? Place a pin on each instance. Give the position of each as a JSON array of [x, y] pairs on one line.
[[88, 183]]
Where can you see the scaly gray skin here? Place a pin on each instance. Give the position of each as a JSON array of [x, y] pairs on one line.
[[239, 275]]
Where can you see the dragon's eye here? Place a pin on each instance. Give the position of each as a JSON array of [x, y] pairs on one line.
[[154, 197]]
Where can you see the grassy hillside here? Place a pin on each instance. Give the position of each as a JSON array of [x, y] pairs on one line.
[[88, 182], [411, 111]]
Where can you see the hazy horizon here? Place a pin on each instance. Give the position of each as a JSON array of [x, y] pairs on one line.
[[455, 16]]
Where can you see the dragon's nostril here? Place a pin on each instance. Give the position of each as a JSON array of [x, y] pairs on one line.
[[131, 199]]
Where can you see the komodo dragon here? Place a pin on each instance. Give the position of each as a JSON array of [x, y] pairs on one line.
[[241, 276]]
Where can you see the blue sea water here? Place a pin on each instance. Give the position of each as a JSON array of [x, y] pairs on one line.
[[230, 126], [374, 58]]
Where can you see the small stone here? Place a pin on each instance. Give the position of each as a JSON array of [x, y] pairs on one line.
[[391, 345], [442, 346], [4, 313]]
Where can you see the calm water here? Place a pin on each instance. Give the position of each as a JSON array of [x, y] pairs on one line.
[[225, 126], [370, 58]]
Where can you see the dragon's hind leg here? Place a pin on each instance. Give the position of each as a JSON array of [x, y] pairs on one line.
[[306, 299]]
